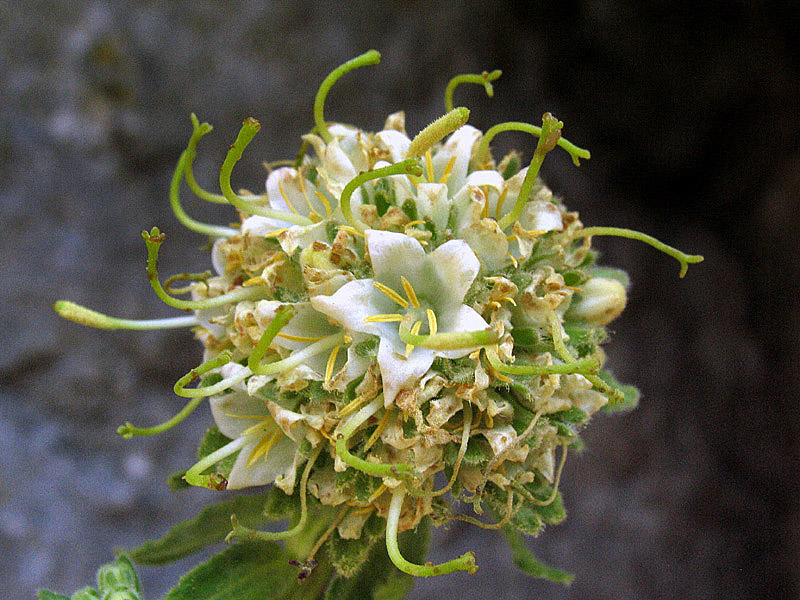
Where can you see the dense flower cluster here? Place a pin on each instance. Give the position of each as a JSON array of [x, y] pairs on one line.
[[396, 324]]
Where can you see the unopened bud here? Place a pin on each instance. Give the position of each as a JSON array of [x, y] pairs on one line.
[[600, 302]]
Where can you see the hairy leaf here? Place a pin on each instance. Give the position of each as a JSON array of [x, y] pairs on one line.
[[630, 392], [348, 556], [529, 564], [209, 527], [48, 595]]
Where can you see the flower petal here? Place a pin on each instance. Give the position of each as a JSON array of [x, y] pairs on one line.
[[264, 470], [231, 412], [393, 142], [463, 318], [399, 371], [393, 255], [460, 145], [453, 267]]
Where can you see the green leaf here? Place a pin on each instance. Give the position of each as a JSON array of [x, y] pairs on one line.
[[176, 482], [630, 392], [348, 556], [48, 595], [478, 452], [584, 338], [118, 576], [569, 415], [279, 505], [525, 560], [86, 593], [209, 527], [459, 370], [245, 571]]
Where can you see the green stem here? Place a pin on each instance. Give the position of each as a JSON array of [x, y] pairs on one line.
[[129, 430], [550, 134], [153, 240], [299, 357], [180, 213], [222, 358], [455, 340], [214, 481], [483, 79], [409, 166], [198, 131], [483, 148], [615, 396], [86, 316], [436, 131], [584, 366], [681, 257], [397, 470], [249, 129], [371, 57], [465, 562], [256, 535]]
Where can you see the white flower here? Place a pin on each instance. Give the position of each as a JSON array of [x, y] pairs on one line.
[[434, 284]]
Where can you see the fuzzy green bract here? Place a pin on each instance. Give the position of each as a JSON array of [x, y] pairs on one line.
[[397, 327]]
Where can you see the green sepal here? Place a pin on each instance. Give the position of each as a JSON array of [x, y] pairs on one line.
[[583, 338], [86, 593], [210, 379], [552, 514], [630, 392], [118, 576], [357, 483], [368, 348], [512, 168], [478, 452], [348, 556], [410, 208], [209, 527], [525, 560], [569, 415], [249, 571], [458, 370], [379, 579], [384, 195], [48, 595], [176, 482]]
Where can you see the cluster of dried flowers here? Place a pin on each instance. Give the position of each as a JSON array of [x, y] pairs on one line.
[[397, 328]]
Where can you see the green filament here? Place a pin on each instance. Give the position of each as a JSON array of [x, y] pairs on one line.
[[436, 131], [255, 535], [214, 481], [250, 128], [371, 57], [222, 358], [483, 148], [396, 471], [180, 213], [681, 257], [129, 430], [584, 366], [91, 318], [409, 166], [483, 79], [550, 134], [153, 240], [455, 340], [465, 562]]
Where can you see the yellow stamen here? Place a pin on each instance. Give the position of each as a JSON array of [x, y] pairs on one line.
[[276, 232], [263, 447], [262, 417], [364, 510], [508, 299], [489, 420], [433, 326], [429, 165], [573, 288], [347, 339], [350, 230], [513, 260], [417, 222], [534, 232], [410, 293], [325, 202], [311, 210], [494, 304], [448, 168], [285, 199], [264, 425], [376, 494], [353, 405], [254, 281], [500, 377], [511, 238], [391, 294], [414, 331], [331, 364], [298, 338], [391, 318], [500, 202], [379, 429]]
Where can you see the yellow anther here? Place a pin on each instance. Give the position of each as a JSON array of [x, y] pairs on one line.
[[433, 327], [448, 168], [410, 293], [263, 447], [285, 198], [311, 210], [500, 202], [573, 288], [417, 222], [414, 331], [390, 318], [331, 363], [276, 232], [350, 230], [314, 216], [534, 232], [429, 165], [351, 406], [374, 496], [511, 237], [254, 281], [508, 299], [513, 260], [501, 377], [298, 338], [379, 429], [347, 339], [263, 425], [494, 304], [325, 202], [390, 293]]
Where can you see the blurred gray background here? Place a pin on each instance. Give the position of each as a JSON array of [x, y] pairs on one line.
[[692, 118]]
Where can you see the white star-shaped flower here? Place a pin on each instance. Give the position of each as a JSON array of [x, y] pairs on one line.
[[408, 286]]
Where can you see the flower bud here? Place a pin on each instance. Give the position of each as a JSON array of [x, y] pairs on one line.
[[600, 302]]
